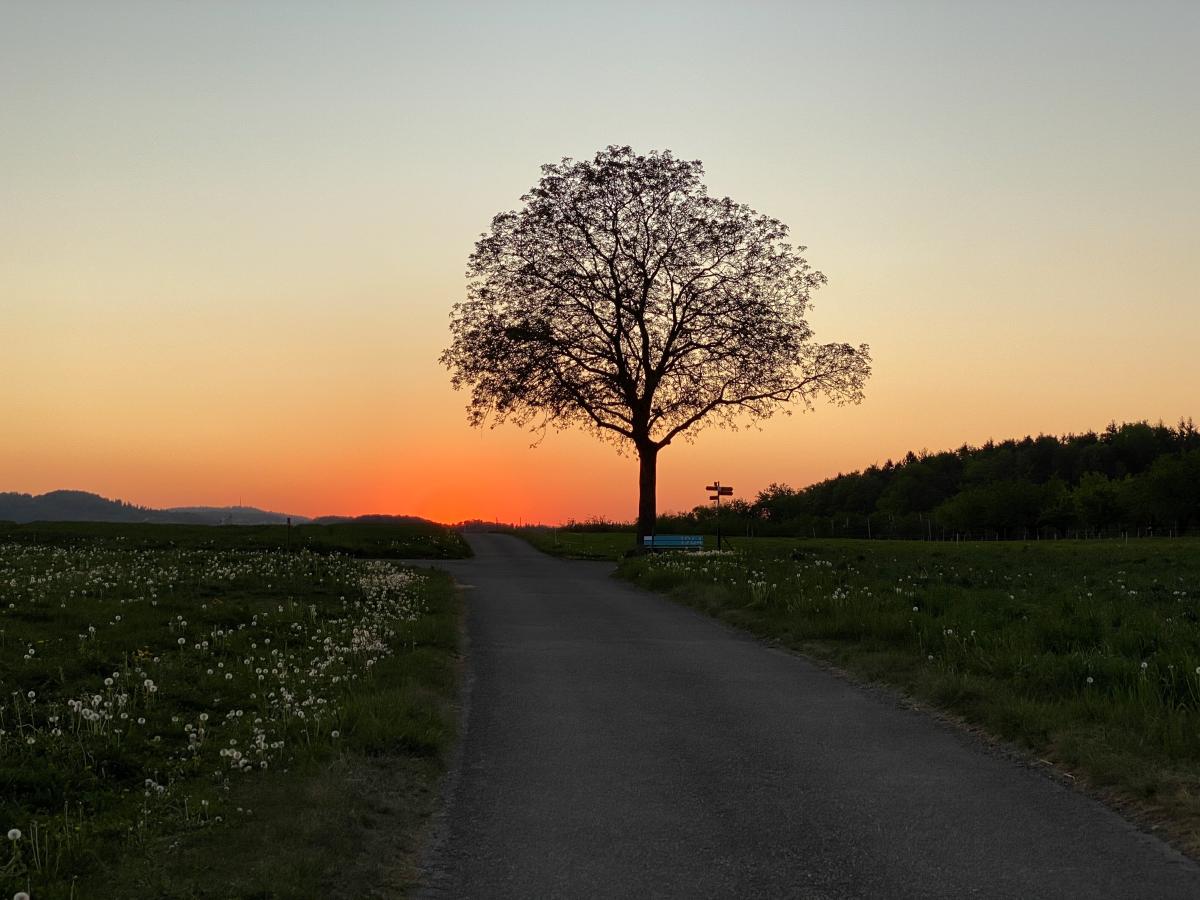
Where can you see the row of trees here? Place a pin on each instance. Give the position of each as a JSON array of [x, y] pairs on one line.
[[1135, 478]]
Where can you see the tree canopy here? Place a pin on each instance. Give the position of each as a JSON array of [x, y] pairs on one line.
[[622, 297]]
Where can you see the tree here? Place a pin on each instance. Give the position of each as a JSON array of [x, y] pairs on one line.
[[1097, 501], [623, 298]]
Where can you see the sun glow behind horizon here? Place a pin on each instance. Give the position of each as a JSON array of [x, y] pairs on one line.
[[232, 237]]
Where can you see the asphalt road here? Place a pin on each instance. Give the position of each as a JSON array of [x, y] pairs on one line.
[[619, 745]]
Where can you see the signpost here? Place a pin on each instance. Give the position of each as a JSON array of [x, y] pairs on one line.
[[716, 493]]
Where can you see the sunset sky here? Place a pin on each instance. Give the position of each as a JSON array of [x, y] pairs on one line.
[[232, 232]]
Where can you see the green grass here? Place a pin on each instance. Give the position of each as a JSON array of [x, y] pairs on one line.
[[585, 544], [207, 722], [1087, 654], [408, 540]]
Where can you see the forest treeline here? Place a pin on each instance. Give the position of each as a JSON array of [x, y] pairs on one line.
[[1135, 479]]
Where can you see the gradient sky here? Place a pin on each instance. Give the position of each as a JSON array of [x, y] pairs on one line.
[[232, 232]]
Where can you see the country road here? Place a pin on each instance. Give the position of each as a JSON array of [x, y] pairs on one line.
[[620, 745]]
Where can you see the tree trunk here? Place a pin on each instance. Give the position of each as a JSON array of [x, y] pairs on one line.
[[647, 490]]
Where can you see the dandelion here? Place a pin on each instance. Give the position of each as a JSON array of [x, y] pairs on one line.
[[14, 834], [1090, 680], [1144, 665], [20, 895]]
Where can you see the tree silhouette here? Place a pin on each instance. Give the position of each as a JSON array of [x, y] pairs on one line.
[[623, 298]]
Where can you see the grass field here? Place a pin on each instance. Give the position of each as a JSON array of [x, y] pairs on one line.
[[581, 544], [408, 540], [1085, 653], [200, 722]]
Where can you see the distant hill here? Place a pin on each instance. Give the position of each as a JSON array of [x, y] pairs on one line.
[[235, 515], [82, 506], [373, 519]]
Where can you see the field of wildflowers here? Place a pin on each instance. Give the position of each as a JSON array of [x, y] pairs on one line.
[[143, 690], [1085, 653]]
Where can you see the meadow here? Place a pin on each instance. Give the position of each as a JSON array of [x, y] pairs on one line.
[[401, 540], [573, 544], [1086, 654], [200, 721]]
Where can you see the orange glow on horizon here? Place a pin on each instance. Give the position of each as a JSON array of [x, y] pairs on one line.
[[226, 272]]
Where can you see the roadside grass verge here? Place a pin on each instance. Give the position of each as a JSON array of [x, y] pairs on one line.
[[1087, 655], [377, 540], [611, 545], [212, 723]]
